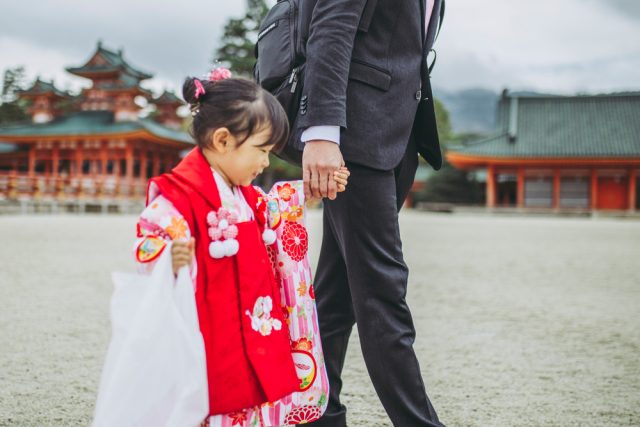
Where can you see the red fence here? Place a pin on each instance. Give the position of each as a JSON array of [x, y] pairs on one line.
[[23, 187]]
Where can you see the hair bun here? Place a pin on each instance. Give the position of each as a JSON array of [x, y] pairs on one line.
[[192, 90]]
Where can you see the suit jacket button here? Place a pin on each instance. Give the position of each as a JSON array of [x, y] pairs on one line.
[[418, 95]]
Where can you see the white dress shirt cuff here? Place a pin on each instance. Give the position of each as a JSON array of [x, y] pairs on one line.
[[326, 133]]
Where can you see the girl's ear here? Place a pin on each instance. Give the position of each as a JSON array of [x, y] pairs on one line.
[[222, 140]]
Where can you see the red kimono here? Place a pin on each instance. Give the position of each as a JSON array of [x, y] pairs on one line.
[[245, 366]]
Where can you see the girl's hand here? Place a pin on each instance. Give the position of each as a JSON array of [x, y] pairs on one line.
[[182, 254], [341, 177]]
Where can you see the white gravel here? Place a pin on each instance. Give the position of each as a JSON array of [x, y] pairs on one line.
[[521, 321]]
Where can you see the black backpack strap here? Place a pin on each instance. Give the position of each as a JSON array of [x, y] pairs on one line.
[[440, 21]]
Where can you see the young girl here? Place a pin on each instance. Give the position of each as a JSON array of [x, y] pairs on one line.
[[225, 230]]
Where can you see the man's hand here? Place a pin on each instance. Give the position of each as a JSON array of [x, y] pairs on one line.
[[320, 159]]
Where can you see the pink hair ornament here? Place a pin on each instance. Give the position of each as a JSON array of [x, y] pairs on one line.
[[199, 88], [220, 73]]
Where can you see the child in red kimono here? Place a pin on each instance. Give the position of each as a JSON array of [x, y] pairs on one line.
[[220, 229]]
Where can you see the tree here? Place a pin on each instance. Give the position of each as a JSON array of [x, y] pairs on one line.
[[445, 131], [13, 81], [12, 109], [450, 185], [239, 38]]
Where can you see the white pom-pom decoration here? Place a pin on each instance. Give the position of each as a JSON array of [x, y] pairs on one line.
[[231, 247], [212, 219], [216, 250], [269, 236], [223, 224]]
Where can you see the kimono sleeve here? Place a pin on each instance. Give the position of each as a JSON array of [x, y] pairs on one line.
[[158, 224]]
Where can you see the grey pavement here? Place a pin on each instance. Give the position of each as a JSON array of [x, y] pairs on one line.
[[521, 321]]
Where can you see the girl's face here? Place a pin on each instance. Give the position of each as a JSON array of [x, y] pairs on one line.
[[240, 164]]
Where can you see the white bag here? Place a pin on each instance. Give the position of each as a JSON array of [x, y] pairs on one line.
[[155, 370]]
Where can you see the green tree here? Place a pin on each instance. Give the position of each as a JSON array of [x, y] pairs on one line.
[[12, 81], [450, 185], [11, 108], [239, 38], [445, 131]]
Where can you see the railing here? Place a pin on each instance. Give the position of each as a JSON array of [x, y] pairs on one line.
[[23, 187]]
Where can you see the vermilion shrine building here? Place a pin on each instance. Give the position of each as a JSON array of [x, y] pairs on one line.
[[101, 149], [560, 152]]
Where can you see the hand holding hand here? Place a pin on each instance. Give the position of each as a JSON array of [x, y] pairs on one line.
[[320, 159]]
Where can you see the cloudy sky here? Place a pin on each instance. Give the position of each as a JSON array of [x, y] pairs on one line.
[[560, 46]]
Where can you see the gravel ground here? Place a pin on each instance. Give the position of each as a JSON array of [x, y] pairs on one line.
[[521, 321]]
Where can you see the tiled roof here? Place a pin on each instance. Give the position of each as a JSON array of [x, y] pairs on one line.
[[114, 62], [168, 98], [563, 126], [87, 123], [41, 87]]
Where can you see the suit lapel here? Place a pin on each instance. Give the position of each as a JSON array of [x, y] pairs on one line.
[[433, 25], [423, 11]]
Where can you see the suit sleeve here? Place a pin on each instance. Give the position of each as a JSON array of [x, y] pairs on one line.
[[331, 36]]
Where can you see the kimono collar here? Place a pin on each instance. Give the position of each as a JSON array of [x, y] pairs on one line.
[[195, 171]]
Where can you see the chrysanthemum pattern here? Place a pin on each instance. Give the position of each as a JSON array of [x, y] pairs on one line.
[[295, 240], [303, 415]]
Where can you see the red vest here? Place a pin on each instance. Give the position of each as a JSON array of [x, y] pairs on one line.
[[244, 367]]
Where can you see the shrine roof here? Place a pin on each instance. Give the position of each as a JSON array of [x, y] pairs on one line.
[[40, 87], [547, 126], [88, 123], [168, 98], [105, 61]]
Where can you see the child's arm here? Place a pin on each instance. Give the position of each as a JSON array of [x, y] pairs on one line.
[[158, 224]]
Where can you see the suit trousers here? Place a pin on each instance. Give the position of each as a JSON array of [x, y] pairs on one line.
[[362, 279]]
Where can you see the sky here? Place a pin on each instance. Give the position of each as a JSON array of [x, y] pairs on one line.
[[553, 46]]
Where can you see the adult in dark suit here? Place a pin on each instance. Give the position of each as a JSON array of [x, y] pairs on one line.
[[367, 77]]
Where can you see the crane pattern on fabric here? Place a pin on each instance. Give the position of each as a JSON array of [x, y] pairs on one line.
[[284, 211]]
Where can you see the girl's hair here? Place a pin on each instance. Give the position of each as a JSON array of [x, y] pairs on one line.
[[238, 104]]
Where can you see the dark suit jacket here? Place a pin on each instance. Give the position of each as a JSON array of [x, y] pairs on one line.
[[367, 72]]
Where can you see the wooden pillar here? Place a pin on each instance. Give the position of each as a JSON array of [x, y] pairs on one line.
[[633, 182], [55, 160], [129, 160], [116, 166], [556, 189], [491, 186], [104, 157], [594, 189], [520, 188], [32, 160]]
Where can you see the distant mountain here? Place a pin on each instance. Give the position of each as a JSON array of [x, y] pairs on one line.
[[471, 110]]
